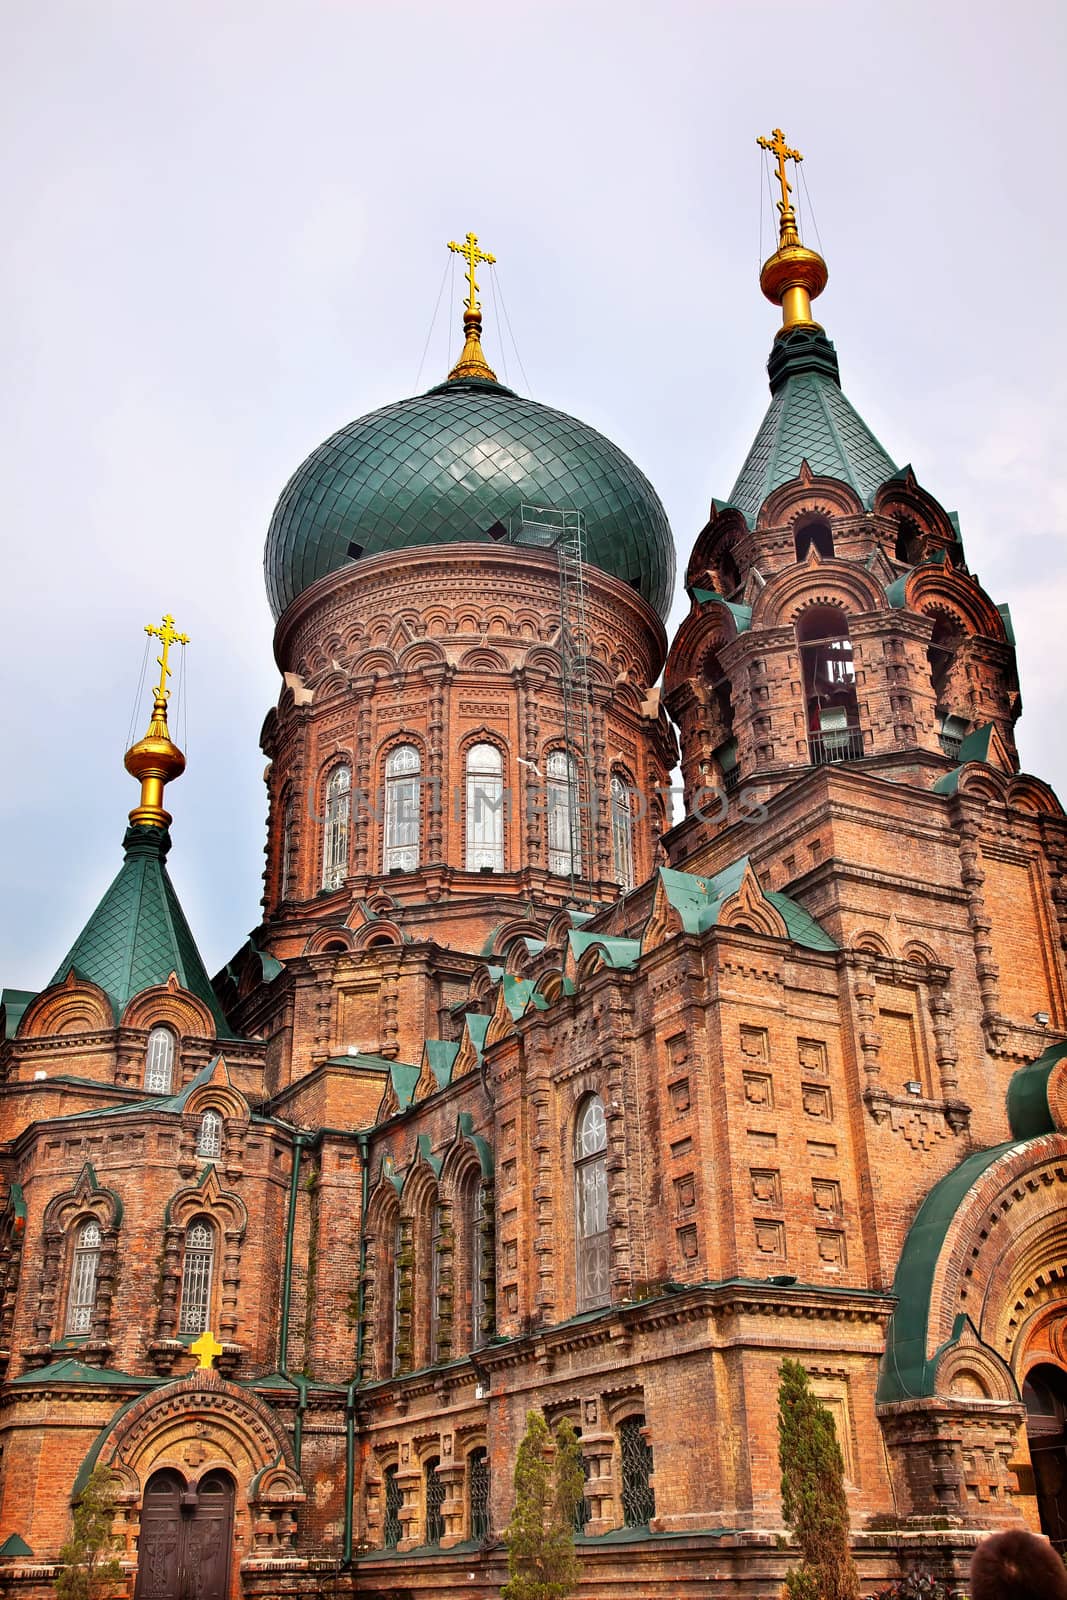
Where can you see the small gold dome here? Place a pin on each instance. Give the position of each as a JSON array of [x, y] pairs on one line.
[[154, 761]]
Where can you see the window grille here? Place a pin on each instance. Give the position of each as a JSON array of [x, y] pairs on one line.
[[638, 1499], [479, 1264], [591, 1205], [197, 1271], [287, 847], [83, 1270], [478, 1493], [402, 787], [159, 1061], [335, 833], [209, 1142], [622, 832], [391, 1529], [435, 1499], [564, 816], [485, 808]]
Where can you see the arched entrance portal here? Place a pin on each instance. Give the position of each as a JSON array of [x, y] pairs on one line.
[[1045, 1397], [186, 1536]]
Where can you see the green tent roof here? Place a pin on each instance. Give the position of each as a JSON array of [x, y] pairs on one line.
[[809, 420], [138, 935]]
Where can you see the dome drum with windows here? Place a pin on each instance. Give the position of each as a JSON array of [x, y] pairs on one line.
[[455, 466]]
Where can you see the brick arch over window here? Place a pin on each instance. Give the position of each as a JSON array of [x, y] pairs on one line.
[[72, 1006], [225, 1212], [817, 583], [938, 588], [427, 1222], [169, 1005], [64, 1217], [467, 1184], [811, 495]]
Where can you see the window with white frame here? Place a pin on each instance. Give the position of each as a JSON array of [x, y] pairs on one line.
[[198, 1270], [591, 1204], [159, 1061], [336, 829], [402, 808], [485, 808], [564, 815], [622, 831], [84, 1266], [209, 1140]]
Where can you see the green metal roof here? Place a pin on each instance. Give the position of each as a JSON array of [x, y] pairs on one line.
[[809, 420], [1029, 1113], [450, 465], [620, 953], [138, 935], [441, 1058], [974, 747], [905, 1373], [13, 1003], [742, 615], [699, 901], [70, 1370], [14, 1545]]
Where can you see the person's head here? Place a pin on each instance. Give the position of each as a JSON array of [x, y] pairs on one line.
[[1017, 1566]]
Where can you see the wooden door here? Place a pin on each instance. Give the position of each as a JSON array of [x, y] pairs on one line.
[[1045, 1395], [186, 1535]]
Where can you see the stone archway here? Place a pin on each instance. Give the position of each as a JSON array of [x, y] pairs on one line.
[[1045, 1398]]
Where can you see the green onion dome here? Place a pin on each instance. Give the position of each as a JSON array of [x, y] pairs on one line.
[[454, 466]]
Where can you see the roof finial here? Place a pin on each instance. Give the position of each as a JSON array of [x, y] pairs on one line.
[[472, 363], [156, 759], [794, 275]]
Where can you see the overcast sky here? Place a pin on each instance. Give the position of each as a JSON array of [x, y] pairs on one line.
[[225, 230]]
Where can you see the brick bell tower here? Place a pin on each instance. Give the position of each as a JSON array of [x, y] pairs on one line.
[[469, 590]]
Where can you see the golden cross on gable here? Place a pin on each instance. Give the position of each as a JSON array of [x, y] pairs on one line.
[[206, 1349], [778, 148], [473, 255], [169, 636]]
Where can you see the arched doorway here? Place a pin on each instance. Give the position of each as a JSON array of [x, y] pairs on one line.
[[186, 1535], [1045, 1398]]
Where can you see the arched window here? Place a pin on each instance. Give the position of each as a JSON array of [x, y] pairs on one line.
[[479, 1265], [622, 832], [197, 1272], [159, 1061], [719, 709], [564, 815], [485, 808], [834, 733], [394, 1310], [435, 1281], [391, 1529], [591, 1205], [815, 531], [638, 1498], [335, 832], [478, 1494], [288, 820], [81, 1298], [209, 1141], [402, 786], [435, 1499]]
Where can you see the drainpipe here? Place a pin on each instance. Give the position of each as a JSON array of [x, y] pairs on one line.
[[350, 1396]]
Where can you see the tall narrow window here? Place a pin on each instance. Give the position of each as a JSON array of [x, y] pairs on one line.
[[479, 1265], [83, 1269], [197, 1271], [402, 786], [394, 1345], [622, 832], [478, 1493], [638, 1498], [564, 815], [435, 1281], [288, 820], [435, 1499], [834, 733], [391, 1527], [209, 1141], [591, 1205], [485, 808], [159, 1061], [335, 833]]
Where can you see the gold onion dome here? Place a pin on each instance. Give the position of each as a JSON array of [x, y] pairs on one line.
[[794, 275], [155, 760]]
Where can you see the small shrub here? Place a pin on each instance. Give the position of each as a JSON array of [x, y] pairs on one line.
[[91, 1570]]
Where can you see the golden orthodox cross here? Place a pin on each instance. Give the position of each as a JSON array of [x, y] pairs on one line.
[[473, 255], [168, 636], [206, 1349], [778, 148]]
